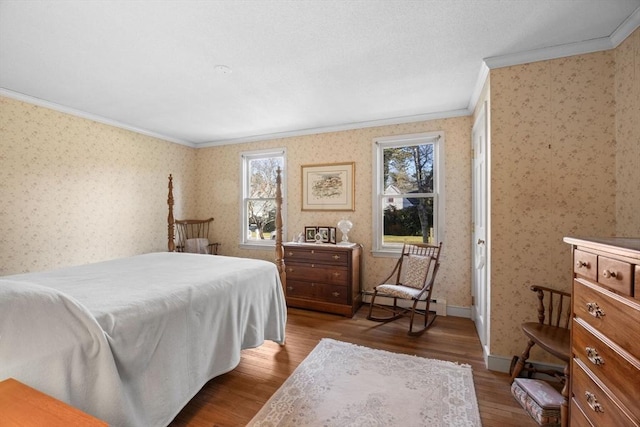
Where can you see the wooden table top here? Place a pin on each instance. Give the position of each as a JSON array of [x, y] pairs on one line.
[[21, 405]]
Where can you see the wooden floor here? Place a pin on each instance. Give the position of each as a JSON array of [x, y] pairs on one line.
[[234, 398]]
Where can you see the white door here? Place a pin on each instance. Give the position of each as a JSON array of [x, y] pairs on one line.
[[479, 232]]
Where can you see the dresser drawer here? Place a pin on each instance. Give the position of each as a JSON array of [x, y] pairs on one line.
[[615, 274], [585, 264], [317, 291], [608, 365], [307, 254], [578, 418], [614, 316], [318, 273], [594, 401]]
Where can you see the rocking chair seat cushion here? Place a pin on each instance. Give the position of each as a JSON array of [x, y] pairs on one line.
[[400, 291], [552, 339]]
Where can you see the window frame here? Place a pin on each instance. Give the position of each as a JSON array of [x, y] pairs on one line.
[[378, 248], [245, 158]]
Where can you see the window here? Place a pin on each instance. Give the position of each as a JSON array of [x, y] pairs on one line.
[[259, 196], [408, 184]]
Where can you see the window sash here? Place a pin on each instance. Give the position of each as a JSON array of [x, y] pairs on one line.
[[247, 237], [379, 199]]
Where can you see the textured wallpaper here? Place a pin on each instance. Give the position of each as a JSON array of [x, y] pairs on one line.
[[627, 82], [553, 175], [219, 178], [74, 191]]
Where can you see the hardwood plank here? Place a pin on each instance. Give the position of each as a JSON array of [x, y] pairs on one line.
[[234, 398]]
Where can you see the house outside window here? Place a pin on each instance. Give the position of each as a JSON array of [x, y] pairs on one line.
[[408, 188], [258, 222]]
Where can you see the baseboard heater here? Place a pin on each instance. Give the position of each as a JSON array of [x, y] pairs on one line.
[[439, 305]]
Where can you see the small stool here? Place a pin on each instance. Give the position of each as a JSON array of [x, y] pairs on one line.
[[539, 399]]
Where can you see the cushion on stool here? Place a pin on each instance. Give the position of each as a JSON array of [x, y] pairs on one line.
[[539, 399]]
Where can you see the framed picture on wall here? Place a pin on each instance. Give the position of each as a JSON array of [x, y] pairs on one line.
[[328, 187], [310, 234]]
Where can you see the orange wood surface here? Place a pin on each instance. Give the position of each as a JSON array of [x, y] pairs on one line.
[[21, 405]]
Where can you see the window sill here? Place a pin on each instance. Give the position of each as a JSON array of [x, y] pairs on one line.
[[386, 253], [259, 246]]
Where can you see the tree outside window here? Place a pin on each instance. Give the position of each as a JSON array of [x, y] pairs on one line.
[[407, 181], [259, 207]]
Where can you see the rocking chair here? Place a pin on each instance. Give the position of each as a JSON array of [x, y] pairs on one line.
[[412, 281], [193, 236]]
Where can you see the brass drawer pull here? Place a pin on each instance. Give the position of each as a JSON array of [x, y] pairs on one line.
[[289, 253], [580, 264], [608, 274], [290, 270], [592, 401], [336, 257], [335, 294], [593, 356], [336, 274], [595, 310], [289, 288], [312, 251]]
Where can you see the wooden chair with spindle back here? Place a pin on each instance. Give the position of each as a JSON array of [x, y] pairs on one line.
[[551, 332], [192, 235]]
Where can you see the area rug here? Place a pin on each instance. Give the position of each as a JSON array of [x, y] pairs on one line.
[[342, 384]]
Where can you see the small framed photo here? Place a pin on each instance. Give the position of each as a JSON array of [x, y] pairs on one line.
[[332, 235], [310, 234], [324, 232]]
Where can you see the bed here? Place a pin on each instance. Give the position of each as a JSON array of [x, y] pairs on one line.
[[132, 340]]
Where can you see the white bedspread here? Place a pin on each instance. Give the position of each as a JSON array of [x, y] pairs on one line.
[[132, 340]]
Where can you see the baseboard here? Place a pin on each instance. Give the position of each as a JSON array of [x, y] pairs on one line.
[[456, 311], [439, 305], [502, 364]]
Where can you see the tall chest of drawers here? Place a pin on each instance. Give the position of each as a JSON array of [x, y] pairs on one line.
[[323, 277], [605, 334]]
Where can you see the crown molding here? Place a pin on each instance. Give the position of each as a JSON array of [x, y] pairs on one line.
[[339, 128], [94, 117], [477, 90], [554, 52], [626, 28]]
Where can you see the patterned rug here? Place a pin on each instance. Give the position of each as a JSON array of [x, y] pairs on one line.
[[342, 384]]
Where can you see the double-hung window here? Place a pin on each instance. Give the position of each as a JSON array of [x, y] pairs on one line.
[[258, 222], [408, 189]]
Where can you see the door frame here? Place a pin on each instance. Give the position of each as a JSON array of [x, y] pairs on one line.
[[481, 251]]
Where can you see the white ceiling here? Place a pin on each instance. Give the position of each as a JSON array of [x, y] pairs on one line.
[[298, 66]]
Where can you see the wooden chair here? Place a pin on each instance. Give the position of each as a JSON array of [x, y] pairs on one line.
[[411, 280], [551, 332], [192, 235]]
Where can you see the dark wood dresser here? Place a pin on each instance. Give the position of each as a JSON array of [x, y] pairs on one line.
[[323, 277], [605, 334]]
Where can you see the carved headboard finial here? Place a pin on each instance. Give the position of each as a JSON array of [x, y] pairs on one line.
[[171, 244]]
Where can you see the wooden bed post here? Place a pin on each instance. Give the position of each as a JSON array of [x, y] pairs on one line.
[[170, 221], [279, 249]]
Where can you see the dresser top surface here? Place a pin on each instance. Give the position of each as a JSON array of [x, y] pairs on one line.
[[631, 244], [326, 246]]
